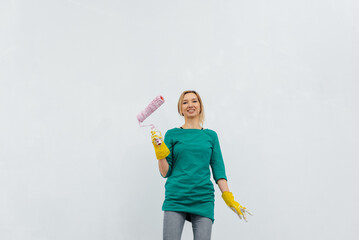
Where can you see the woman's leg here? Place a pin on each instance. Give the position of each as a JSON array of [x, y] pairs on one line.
[[202, 227], [173, 225]]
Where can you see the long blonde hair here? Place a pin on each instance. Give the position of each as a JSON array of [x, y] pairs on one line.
[[201, 113]]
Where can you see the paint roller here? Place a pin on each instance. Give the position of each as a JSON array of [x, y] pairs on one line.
[[153, 106]]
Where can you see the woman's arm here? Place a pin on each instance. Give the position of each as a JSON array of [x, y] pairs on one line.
[[163, 166], [223, 185]]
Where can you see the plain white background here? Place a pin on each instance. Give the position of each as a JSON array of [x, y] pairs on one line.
[[279, 82]]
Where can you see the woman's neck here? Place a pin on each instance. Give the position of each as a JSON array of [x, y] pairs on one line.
[[191, 125]]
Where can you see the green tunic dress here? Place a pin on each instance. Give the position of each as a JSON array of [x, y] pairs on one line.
[[188, 186]]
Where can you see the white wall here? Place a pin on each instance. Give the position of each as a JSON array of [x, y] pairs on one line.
[[279, 81]]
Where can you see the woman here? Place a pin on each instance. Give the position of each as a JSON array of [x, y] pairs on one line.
[[184, 159]]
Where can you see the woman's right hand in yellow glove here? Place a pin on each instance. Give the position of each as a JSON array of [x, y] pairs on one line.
[[235, 206], [161, 150]]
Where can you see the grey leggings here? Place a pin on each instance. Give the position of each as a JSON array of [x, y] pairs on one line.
[[173, 226]]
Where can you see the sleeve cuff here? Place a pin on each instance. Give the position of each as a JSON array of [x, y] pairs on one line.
[[224, 177]]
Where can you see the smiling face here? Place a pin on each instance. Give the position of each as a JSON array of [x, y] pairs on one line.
[[190, 106]]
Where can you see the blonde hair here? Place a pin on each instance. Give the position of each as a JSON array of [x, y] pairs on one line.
[[201, 113]]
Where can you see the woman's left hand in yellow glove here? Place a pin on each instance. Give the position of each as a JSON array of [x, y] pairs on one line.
[[161, 149], [235, 206]]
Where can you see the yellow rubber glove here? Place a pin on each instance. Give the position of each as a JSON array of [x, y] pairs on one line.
[[161, 150], [235, 206]]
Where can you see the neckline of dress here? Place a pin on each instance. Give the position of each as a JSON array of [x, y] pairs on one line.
[[191, 128]]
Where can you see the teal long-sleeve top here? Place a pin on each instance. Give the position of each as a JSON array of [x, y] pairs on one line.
[[188, 186]]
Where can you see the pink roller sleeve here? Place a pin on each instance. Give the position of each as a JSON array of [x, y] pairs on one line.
[[153, 106], [156, 103]]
